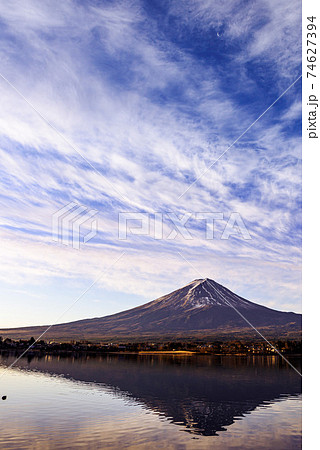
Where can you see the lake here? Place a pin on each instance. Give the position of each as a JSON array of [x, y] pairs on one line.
[[150, 401]]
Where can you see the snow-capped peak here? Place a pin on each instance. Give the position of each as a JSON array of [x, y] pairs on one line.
[[206, 292]]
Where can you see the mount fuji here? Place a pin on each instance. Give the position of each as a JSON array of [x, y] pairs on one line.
[[201, 309]]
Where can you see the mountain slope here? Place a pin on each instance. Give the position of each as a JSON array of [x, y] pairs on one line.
[[201, 308]]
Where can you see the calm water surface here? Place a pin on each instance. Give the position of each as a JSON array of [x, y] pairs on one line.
[[144, 402]]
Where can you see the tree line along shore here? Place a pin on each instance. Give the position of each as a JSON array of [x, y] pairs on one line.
[[238, 347]]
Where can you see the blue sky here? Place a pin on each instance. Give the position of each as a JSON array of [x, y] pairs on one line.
[[150, 94]]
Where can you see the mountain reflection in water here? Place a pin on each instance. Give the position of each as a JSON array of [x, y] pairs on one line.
[[203, 393]]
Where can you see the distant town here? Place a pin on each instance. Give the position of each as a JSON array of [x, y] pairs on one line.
[[234, 347]]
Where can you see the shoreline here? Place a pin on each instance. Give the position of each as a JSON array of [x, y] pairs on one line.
[[67, 353]]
